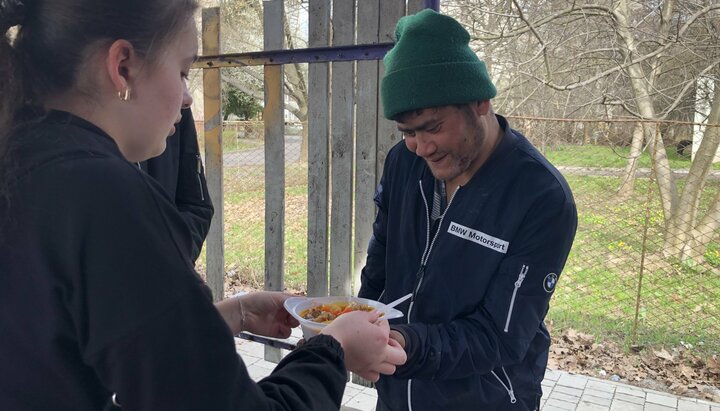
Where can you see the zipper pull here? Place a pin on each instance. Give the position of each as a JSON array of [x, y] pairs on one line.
[[199, 173], [419, 276], [521, 277], [513, 400]]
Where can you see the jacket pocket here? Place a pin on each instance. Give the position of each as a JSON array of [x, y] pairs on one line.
[[518, 284], [506, 383], [517, 301], [191, 182]]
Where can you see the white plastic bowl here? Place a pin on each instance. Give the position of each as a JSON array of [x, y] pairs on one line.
[[296, 305]]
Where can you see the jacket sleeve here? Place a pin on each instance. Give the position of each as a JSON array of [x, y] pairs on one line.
[[499, 331], [185, 359], [191, 197]]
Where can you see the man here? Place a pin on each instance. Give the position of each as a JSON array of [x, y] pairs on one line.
[[180, 172], [473, 221]]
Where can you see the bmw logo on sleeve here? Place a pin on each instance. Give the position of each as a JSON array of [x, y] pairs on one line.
[[549, 282]]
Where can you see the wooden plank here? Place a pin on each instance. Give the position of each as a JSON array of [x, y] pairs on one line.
[[368, 21], [318, 153], [341, 129], [388, 135], [274, 158], [413, 6], [215, 259]]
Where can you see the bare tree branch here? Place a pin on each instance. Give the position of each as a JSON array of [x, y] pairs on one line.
[[543, 49], [632, 62]]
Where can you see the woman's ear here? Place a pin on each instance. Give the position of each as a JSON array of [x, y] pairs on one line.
[[121, 64]]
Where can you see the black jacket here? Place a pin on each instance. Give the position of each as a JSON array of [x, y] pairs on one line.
[[179, 170], [474, 327], [99, 294]]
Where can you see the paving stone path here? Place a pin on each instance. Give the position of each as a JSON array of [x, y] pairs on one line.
[[562, 391]]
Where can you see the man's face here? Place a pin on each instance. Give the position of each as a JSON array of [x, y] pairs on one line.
[[449, 138]]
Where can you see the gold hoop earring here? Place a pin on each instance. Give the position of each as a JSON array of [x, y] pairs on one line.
[[124, 96]]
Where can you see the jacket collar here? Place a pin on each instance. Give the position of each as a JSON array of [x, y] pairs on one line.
[[65, 118]]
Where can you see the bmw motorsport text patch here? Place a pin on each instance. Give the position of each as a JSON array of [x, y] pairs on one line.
[[479, 237]]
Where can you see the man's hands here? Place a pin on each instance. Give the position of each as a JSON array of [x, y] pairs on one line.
[[397, 337], [370, 347]]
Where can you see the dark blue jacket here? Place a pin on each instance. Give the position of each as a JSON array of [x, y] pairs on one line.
[[474, 327]]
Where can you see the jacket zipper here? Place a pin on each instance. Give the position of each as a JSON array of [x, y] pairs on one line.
[[423, 263], [509, 387], [199, 172], [518, 283]]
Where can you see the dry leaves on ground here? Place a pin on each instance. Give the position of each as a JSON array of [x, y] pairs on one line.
[[677, 370]]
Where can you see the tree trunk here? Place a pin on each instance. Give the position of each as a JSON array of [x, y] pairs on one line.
[[627, 187], [703, 233], [684, 239], [587, 132], [641, 90]]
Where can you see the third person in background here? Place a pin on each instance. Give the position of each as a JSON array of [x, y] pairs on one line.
[[180, 171]]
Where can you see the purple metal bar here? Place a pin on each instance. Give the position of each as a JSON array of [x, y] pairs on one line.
[[432, 4], [307, 55]]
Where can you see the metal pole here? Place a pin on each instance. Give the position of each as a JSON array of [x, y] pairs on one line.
[[432, 4], [641, 274]]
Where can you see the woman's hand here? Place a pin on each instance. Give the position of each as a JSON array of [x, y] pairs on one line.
[[369, 351], [260, 312]]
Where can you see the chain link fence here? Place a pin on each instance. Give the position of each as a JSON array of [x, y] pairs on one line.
[[244, 195], [644, 268]]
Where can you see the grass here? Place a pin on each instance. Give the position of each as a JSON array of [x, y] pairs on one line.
[[606, 156], [233, 142], [598, 290], [245, 230]]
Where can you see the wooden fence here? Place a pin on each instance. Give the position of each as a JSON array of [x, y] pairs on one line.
[[347, 147], [348, 136]]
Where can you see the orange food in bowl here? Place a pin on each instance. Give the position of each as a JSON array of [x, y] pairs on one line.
[[325, 313]]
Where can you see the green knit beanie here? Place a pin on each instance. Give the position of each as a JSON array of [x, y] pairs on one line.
[[432, 65]]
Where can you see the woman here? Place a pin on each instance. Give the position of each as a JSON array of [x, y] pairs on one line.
[[99, 296]]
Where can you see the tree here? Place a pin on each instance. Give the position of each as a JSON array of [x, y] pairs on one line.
[[620, 57], [239, 103]]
